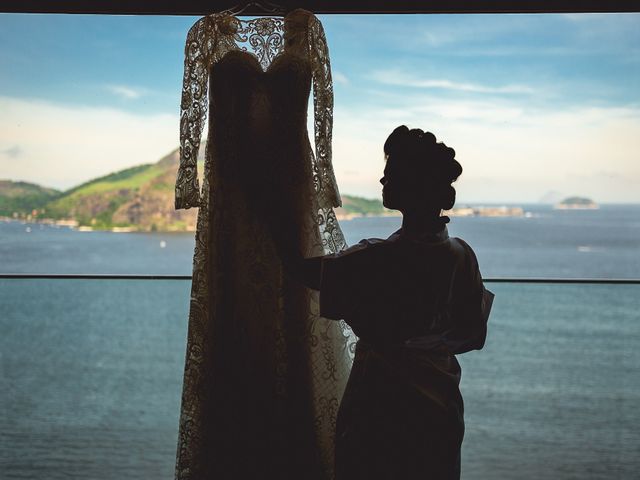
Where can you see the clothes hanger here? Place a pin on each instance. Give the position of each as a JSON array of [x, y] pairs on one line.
[[268, 8]]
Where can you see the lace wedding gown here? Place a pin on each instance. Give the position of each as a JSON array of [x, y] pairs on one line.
[[264, 373]]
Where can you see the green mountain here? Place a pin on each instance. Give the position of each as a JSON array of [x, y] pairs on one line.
[[358, 206], [23, 197], [138, 198]]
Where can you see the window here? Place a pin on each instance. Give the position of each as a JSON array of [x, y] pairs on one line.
[[539, 107]]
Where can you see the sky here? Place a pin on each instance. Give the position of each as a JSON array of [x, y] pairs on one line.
[[532, 104]]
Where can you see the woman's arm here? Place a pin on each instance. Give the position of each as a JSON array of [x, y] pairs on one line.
[[471, 307], [307, 271], [469, 330]]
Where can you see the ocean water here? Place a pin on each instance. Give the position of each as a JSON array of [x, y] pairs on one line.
[[546, 243], [91, 371]]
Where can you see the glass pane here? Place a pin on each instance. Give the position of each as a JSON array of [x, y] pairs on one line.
[[554, 393], [539, 108], [92, 374], [91, 377]]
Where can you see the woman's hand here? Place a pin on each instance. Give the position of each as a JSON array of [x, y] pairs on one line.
[[305, 270]]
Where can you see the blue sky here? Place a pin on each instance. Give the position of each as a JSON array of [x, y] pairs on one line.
[[531, 103]]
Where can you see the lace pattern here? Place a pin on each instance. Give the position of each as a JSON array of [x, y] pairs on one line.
[[324, 178], [330, 345]]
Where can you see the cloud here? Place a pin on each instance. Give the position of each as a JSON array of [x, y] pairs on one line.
[[339, 77], [456, 30], [436, 108], [579, 17], [12, 152], [62, 146], [510, 150], [398, 78], [127, 92]]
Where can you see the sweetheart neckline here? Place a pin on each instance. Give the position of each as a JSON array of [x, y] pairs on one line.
[[256, 60]]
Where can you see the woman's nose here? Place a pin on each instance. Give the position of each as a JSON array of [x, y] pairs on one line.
[[383, 181]]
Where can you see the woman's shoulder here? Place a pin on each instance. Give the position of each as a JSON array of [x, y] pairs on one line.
[[368, 254], [365, 244], [461, 244], [463, 251]]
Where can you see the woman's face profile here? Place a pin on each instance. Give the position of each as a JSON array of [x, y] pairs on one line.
[[394, 186], [386, 188], [402, 189]]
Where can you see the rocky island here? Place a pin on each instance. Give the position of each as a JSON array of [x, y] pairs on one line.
[[576, 203]]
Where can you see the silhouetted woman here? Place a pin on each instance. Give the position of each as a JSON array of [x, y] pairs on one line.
[[415, 300]]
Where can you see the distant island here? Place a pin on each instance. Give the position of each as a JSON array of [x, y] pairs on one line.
[[489, 211], [141, 198], [576, 203]]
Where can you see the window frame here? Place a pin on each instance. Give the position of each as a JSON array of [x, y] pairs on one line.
[[201, 7]]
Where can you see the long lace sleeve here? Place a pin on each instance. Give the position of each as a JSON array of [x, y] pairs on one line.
[[324, 177], [193, 109]]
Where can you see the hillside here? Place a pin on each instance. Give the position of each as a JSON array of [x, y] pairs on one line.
[[138, 198], [23, 197], [358, 206]]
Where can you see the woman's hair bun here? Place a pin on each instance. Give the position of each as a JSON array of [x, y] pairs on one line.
[[426, 158]]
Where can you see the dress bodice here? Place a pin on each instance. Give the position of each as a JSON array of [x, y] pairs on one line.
[[260, 70], [264, 98], [260, 131]]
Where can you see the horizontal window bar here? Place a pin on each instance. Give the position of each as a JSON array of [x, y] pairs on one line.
[[204, 7], [106, 276], [93, 276], [622, 281]]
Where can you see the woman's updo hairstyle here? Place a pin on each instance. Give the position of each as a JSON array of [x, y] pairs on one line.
[[417, 155]]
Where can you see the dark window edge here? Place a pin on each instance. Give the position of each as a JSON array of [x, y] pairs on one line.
[[199, 7]]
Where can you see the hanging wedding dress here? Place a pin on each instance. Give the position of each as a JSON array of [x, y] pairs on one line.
[[264, 373]]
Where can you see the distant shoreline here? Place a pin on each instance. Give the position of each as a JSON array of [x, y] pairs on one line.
[[477, 211], [493, 211]]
